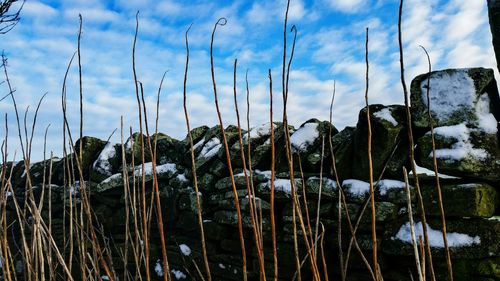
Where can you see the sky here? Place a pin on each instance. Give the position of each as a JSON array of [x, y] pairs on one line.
[[330, 47]]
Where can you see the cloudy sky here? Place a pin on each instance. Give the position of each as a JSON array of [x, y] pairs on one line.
[[330, 46]]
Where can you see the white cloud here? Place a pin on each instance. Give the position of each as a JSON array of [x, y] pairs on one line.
[[347, 6], [38, 10]]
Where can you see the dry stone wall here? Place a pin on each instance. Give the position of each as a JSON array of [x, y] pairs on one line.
[[464, 106]]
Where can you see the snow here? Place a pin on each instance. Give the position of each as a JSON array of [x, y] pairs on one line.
[[182, 178], [386, 185], [282, 185], [7, 194], [160, 169], [462, 148], [356, 187], [486, 120], [185, 249], [198, 144], [449, 92], [327, 183], [159, 269], [111, 178], [24, 172], [259, 131], [436, 237], [427, 172], [266, 174], [105, 277], [385, 114], [222, 266], [210, 149], [304, 137], [178, 274], [102, 164]]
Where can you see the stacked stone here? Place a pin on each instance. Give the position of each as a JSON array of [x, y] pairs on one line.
[[464, 107]]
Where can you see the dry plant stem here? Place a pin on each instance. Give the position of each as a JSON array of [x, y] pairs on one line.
[[222, 22], [193, 165], [126, 200], [370, 166], [143, 182], [156, 191], [81, 85], [411, 144], [323, 259], [304, 199], [412, 226], [249, 154], [436, 174], [85, 201], [253, 217], [319, 197], [273, 221], [288, 149], [339, 186]]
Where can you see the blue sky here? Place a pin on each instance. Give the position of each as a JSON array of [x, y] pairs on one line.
[[330, 46]]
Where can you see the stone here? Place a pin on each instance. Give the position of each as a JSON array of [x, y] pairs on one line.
[[91, 149], [461, 200], [457, 96], [388, 129], [481, 236], [489, 268], [461, 152], [494, 15], [328, 188], [343, 149]]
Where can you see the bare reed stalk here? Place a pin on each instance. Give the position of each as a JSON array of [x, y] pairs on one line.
[[143, 182], [412, 226], [156, 191], [339, 187], [316, 237], [85, 200], [193, 164], [322, 250], [296, 208], [370, 166], [436, 174], [126, 201], [273, 222], [411, 143], [222, 22], [253, 217]]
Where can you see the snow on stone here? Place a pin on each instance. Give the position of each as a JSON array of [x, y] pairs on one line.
[[356, 187], [304, 137], [436, 237], [266, 174], [486, 120], [282, 185], [160, 169], [210, 149], [222, 266], [24, 172], [385, 114], [182, 178], [102, 164], [449, 92], [178, 274], [105, 277], [198, 144], [159, 269], [462, 148], [185, 249], [259, 131], [427, 172], [327, 183], [111, 178], [386, 185]]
